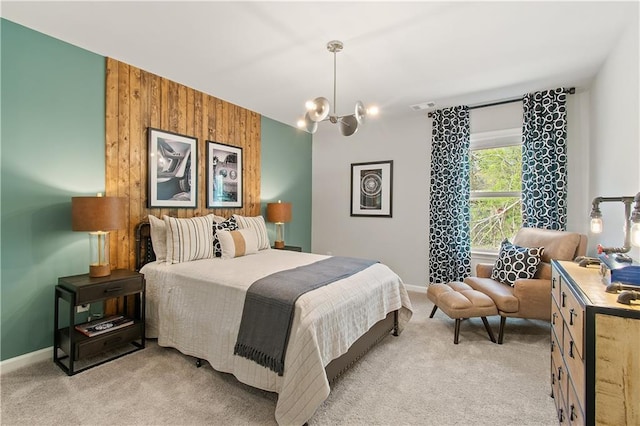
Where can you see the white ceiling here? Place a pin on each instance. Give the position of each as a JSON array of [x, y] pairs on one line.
[[270, 57]]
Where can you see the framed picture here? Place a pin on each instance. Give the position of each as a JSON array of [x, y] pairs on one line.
[[224, 175], [172, 170], [371, 189]]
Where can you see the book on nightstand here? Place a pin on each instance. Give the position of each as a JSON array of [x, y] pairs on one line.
[[104, 325]]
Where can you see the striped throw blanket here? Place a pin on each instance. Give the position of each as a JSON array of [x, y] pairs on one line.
[[269, 307]]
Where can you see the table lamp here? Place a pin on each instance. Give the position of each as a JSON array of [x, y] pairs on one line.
[[279, 213], [98, 215], [631, 224]]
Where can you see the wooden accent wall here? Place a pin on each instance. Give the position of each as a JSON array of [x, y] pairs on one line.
[[137, 100]]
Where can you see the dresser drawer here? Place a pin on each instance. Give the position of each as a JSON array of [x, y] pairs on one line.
[[559, 373], [556, 279], [91, 293], [557, 323], [98, 344], [575, 366], [558, 395], [573, 313], [574, 412]]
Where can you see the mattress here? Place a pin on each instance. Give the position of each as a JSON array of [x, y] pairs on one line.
[[196, 307]]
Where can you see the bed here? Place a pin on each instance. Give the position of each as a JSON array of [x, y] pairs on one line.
[[196, 307]]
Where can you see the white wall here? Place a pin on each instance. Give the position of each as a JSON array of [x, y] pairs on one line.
[[615, 137], [400, 241], [603, 160]]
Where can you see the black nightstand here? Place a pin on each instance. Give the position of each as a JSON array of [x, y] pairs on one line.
[[70, 345], [290, 248]]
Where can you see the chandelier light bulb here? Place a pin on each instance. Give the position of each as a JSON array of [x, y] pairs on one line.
[[320, 109], [373, 110], [596, 225]]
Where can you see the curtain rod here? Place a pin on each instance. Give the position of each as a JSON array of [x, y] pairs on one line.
[[571, 91]]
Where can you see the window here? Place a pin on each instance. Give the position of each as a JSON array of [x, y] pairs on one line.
[[495, 181]]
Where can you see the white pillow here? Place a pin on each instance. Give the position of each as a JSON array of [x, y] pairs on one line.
[[189, 239], [237, 243], [158, 237], [255, 223]]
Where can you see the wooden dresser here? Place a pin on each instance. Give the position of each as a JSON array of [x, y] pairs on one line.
[[595, 350]]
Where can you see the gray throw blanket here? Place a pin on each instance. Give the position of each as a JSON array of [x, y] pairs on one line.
[[269, 307]]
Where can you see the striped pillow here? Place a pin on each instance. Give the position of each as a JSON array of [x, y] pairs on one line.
[[258, 226], [158, 237], [237, 243], [189, 239]]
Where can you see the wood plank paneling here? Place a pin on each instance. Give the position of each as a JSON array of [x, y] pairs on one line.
[[137, 100], [617, 363]]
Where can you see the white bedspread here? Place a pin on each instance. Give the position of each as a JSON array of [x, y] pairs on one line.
[[196, 308]]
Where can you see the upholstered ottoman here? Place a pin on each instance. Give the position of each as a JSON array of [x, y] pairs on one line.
[[459, 301]]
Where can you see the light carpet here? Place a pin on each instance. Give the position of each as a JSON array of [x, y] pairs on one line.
[[418, 378]]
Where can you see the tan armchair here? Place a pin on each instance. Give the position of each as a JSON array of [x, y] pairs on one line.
[[529, 298]]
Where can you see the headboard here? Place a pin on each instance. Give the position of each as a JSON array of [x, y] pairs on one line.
[[144, 248]]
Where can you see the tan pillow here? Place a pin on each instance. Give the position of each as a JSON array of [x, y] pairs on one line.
[[158, 237], [237, 243], [189, 239], [256, 223]]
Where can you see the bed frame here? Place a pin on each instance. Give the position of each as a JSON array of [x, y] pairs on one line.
[[338, 366]]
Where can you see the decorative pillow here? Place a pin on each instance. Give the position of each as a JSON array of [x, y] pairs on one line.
[[227, 225], [158, 237], [218, 219], [515, 262], [189, 239], [256, 223], [237, 243]]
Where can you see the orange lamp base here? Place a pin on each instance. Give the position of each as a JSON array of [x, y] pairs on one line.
[[99, 270]]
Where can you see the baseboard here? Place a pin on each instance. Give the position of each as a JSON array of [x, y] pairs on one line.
[[416, 288], [12, 364]]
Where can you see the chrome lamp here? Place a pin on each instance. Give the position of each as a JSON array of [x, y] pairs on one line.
[[320, 110], [632, 222]]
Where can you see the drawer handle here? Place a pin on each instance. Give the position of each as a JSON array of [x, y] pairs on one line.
[[553, 282], [553, 318], [112, 341], [573, 415], [571, 345], [553, 380], [561, 415], [113, 289], [572, 312], [553, 345], [559, 374], [564, 296]]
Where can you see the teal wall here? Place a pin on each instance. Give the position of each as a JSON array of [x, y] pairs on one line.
[[286, 176], [52, 148]]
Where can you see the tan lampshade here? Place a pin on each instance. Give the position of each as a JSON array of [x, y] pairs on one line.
[[97, 216], [279, 212], [98, 213]]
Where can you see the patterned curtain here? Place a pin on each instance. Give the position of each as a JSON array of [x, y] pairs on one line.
[[544, 160], [449, 237]]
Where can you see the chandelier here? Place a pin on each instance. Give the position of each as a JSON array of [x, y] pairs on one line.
[[320, 110]]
